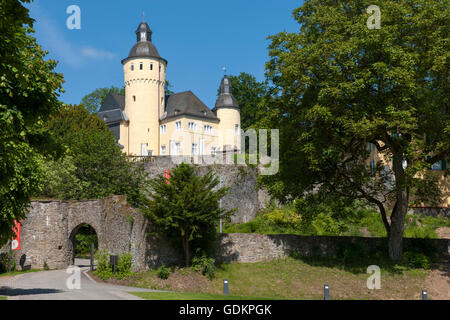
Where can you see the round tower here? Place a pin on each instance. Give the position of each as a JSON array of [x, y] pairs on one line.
[[144, 79], [227, 110]]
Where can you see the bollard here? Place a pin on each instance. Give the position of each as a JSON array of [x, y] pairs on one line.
[[424, 295], [92, 257], [114, 260], [225, 287], [326, 292]]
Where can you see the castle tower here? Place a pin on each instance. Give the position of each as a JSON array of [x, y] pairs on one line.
[[144, 77], [227, 110]]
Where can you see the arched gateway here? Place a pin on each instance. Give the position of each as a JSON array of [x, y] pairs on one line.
[[49, 229]]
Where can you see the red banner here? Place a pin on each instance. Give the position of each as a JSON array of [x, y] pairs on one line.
[[167, 176], [16, 240]]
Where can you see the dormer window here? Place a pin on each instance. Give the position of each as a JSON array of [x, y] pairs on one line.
[[178, 125]]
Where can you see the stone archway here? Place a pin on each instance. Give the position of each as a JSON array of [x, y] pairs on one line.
[[48, 231], [73, 240]]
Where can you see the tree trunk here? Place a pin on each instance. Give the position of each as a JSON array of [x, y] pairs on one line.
[[398, 226], [186, 250]]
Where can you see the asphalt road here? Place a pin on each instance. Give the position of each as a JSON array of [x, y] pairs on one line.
[[52, 285]]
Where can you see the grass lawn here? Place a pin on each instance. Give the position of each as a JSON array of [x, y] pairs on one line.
[[191, 296], [288, 278], [3, 298], [15, 273]]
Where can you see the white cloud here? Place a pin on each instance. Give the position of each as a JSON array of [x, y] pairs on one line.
[[93, 53], [51, 36]]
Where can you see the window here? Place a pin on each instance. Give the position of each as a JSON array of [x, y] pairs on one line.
[[144, 149], [192, 126], [207, 128], [151, 66], [141, 66], [441, 165], [163, 150], [162, 129], [371, 147], [178, 125], [372, 167], [134, 98], [178, 147], [213, 151], [132, 67], [236, 129], [194, 148]]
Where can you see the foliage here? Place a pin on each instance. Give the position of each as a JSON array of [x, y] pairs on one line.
[[4, 262], [83, 239], [94, 165], [185, 207], [94, 100], [205, 265], [104, 268], [341, 86], [29, 91], [46, 267], [249, 94], [163, 272]]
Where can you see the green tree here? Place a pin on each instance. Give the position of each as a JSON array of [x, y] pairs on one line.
[[94, 100], [99, 167], [342, 86], [186, 207], [250, 95], [29, 91]]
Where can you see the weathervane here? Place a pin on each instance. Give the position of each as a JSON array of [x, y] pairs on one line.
[[224, 70]]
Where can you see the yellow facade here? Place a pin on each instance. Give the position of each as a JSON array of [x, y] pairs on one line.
[[145, 127]]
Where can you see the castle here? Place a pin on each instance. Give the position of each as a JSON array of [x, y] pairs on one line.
[[146, 122]]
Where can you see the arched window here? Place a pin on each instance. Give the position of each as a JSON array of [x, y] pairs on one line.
[[151, 66], [141, 66], [132, 67]]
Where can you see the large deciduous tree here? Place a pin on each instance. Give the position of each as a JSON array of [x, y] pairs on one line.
[[250, 94], [186, 206], [29, 91], [93, 166], [94, 100], [342, 86]]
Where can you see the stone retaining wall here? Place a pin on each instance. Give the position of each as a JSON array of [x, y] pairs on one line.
[[248, 247]]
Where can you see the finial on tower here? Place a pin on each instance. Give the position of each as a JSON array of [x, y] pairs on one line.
[[224, 70], [143, 16]]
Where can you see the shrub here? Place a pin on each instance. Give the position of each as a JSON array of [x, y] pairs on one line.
[[124, 264], [416, 260], [163, 272], [4, 262], [46, 267], [350, 252], [104, 268], [204, 265]]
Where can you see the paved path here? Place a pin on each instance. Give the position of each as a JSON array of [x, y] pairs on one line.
[[51, 285]]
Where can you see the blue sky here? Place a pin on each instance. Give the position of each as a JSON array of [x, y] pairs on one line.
[[197, 37]]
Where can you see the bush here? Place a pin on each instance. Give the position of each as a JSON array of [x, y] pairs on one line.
[[350, 252], [124, 264], [204, 265], [104, 268], [163, 272], [4, 262], [416, 260]]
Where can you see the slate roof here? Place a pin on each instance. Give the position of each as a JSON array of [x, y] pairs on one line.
[[187, 103], [226, 98], [113, 108]]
